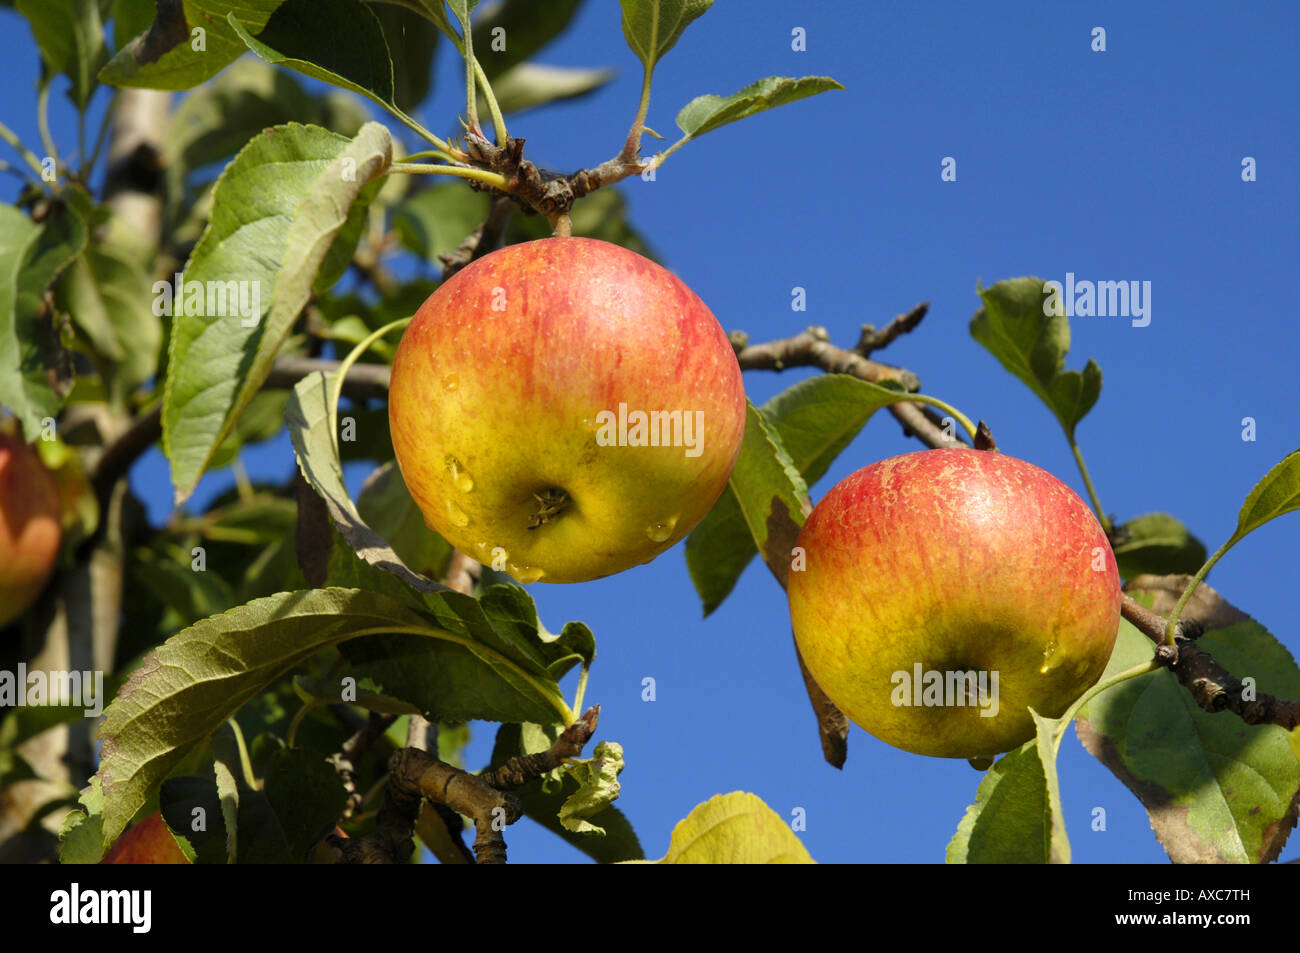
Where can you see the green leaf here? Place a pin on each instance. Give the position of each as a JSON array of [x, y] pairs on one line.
[[435, 11], [434, 221], [1217, 790], [71, 39], [488, 662], [529, 26], [308, 418], [529, 85], [653, 27], [386, 506], [706, 113], [307, 795], [81, 835], [319, 691], [1157, 543], [192, 809], [31, 257], [598, 787], [107, 292], [412, 43], [1016, 817], [815, 420], [1277, 493], [280, 207], [736, 828], [542, 802], [305, 35], [184, 690], [1032, 345], [166, 57], [770, 494]]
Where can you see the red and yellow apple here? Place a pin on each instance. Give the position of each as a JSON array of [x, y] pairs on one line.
[[929, 565], [565, 409], [30, 526], [148, 842]]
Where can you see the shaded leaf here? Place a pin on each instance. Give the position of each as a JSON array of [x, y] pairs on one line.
[[1157, 543], [387, 507], [70, 35], [815, 420], [31, 257], [528, 27], [165, 56], [529, 85], [1216, 789], [187, 688]]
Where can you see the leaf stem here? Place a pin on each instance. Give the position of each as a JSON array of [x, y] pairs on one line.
[[33, 163], [1102, 518], [245, 765], [939, 405], [582, 687], [345, 366], [1201, 573], [632, 145], [1149, 666], [495, 179], [494, 108], [43, 122]]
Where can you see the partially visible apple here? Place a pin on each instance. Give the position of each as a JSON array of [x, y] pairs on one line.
[[518, 380], [30, 526], [148, 842], [947, 561]]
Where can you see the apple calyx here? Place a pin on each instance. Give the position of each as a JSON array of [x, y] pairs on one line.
[[551, 502]]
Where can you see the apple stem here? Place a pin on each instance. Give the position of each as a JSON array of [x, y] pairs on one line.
[[561, 225]]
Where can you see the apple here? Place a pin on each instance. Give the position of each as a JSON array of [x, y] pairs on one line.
[[30, 526], [941, 562], [148, 842], [564, 409]]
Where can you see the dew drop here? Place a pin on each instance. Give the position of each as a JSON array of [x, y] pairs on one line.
[[457, 516], [460, 477], [1049, 658], [451, 381], [661, 530], [527, 574]]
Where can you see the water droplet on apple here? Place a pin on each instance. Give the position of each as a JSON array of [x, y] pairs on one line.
[[457, 516], [1049, 658], [527, 574], [451, 381], [460, 477], [662, 529]]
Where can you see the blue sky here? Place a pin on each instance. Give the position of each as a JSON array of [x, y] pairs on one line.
[[1117, 165]]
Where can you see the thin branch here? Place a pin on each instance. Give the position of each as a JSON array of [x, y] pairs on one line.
[[873, 340], [518, 771], [347, 759], [1212, 686], [812, 348]]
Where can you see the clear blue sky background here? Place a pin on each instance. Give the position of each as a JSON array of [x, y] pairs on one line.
[[1117, 165]]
